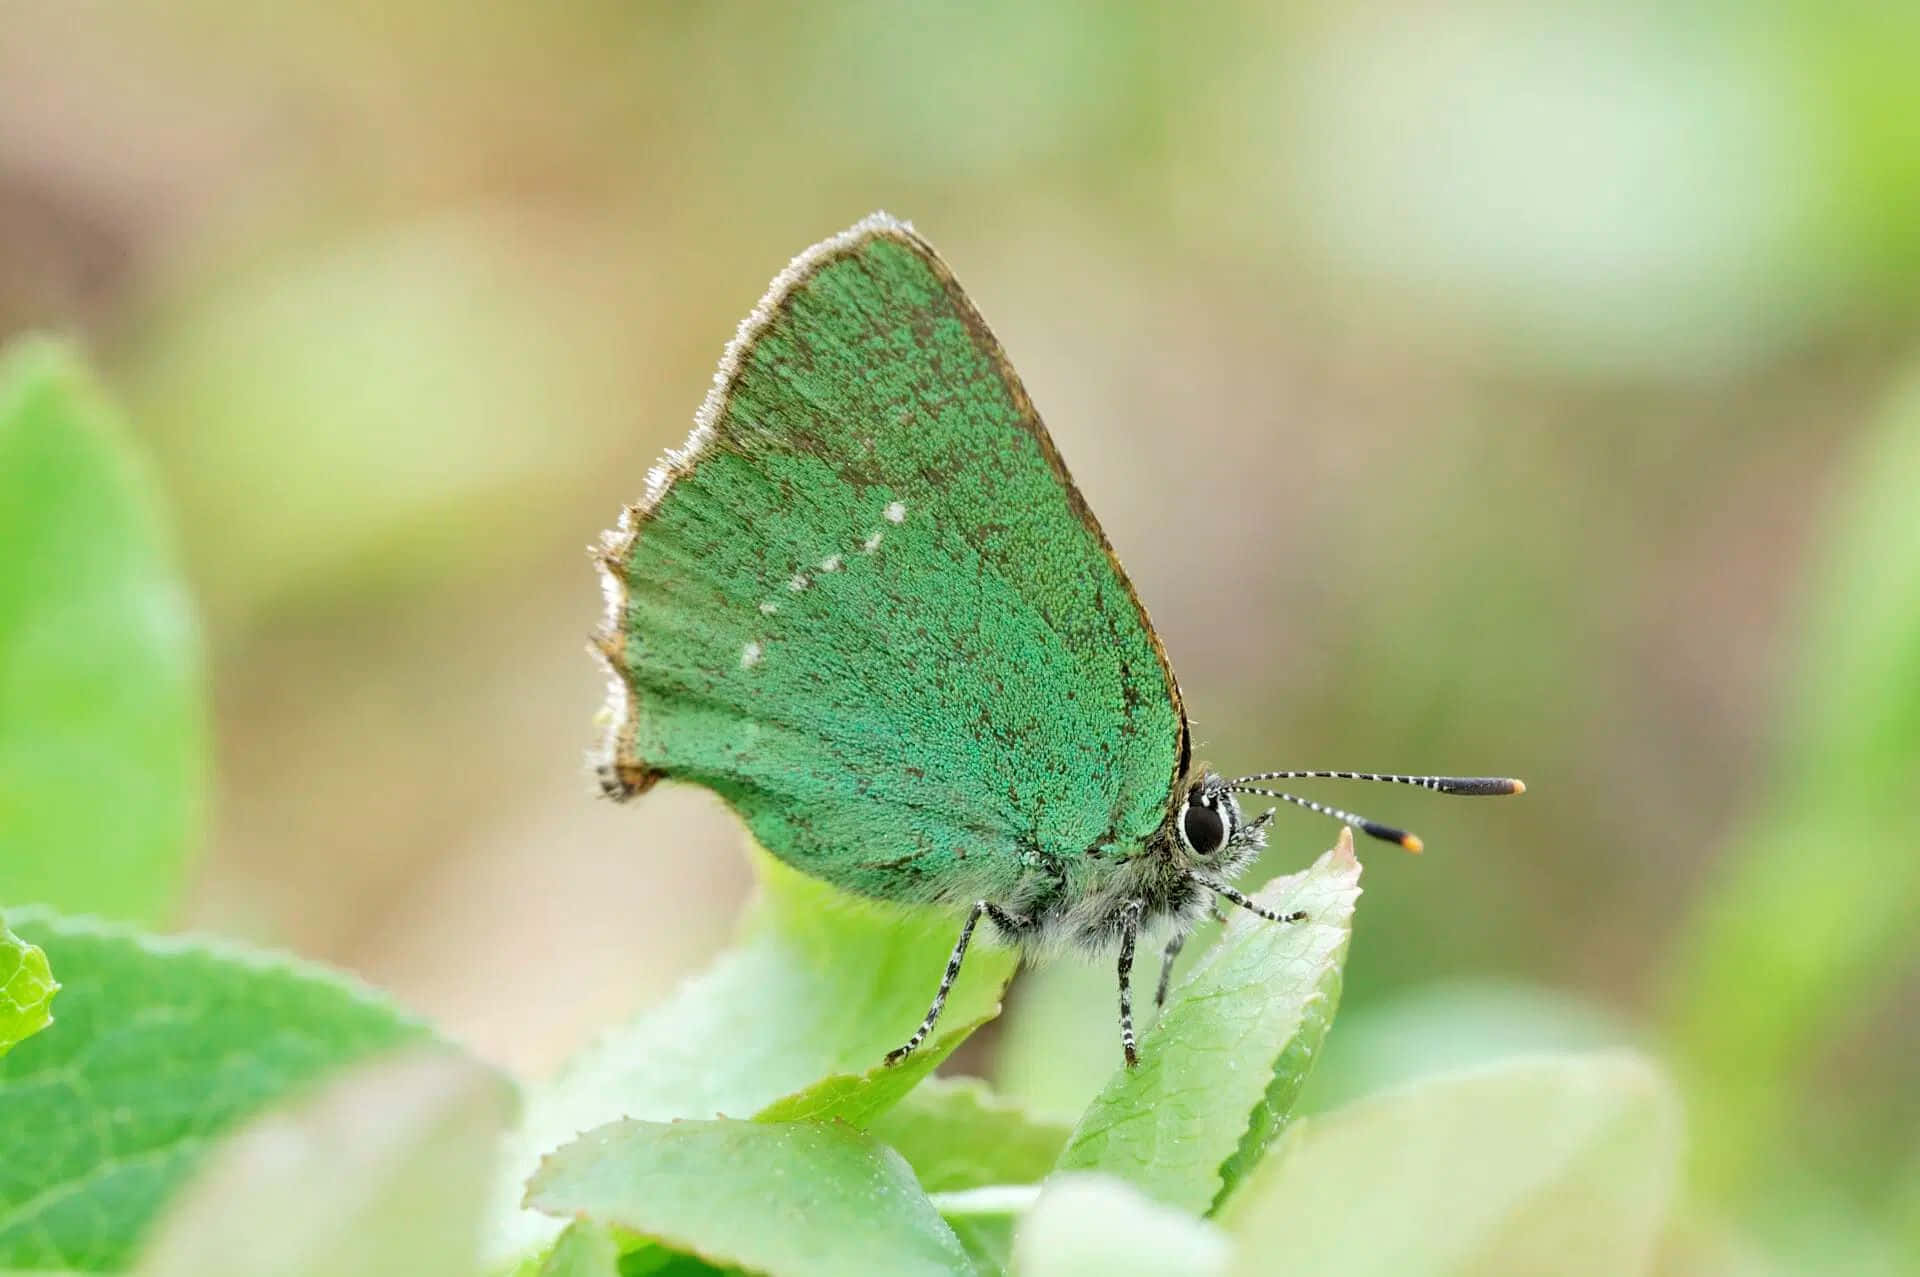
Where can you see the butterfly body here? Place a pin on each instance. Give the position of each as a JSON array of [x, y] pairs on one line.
[[866, 605]]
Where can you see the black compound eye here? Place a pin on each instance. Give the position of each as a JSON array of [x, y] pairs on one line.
[[1203, 828]]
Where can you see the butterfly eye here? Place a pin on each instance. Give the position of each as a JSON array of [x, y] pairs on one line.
[[1202, 828]]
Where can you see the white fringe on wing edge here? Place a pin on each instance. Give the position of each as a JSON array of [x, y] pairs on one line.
[[610, 555]]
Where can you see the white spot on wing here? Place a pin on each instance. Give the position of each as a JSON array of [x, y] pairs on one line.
[[871, 544], [769, 608], [830, 564], [798, 582], [750, 656], [896, 512], [616, 544]]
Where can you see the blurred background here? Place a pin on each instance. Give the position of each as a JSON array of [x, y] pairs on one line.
[[1479, 388]]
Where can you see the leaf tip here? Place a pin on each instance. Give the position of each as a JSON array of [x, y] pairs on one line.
[[1340, 859]]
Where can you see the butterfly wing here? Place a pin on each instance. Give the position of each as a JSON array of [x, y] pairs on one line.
[[867, 606]]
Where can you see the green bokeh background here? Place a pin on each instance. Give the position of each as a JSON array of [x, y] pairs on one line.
[[1472, 387]]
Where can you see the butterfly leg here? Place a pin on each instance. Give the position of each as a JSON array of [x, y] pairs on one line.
[[900, 1053], [1247, 902], [1171, 952], [1129, 930]]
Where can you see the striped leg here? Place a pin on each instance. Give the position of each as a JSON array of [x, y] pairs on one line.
[[900, 1053], [1166, 968], [1129, 929], [1246, 902]]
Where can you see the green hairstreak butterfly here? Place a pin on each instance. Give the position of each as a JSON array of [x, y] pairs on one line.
[[866, 605]]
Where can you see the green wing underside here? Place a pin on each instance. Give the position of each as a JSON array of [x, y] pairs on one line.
[[871, 612]]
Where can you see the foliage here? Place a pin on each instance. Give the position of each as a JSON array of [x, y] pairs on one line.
[[1224, 1064], [26, 989], [161, 1047], [1558, 1164], [395, 1160], [101, 751], [1816, 900], [203, 1108]]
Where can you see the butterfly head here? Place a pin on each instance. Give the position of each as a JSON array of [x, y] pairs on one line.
[[1212, 832]]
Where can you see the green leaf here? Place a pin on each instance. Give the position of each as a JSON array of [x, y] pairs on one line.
[[859, 1098], [1561, 1164], [1450, 1028], [957, 1134], [658, 1261], [986, 1235], [27, 987], [975, 1152], [791, 1199], [1220, 1070], [1815, 904], [1060, 1002], [820, 985], [1096, 1226], [586, 1249], [385, 1170], [102, 749], [162, 1046], [365, 407]]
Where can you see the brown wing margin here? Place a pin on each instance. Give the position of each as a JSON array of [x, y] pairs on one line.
[[623, 774]]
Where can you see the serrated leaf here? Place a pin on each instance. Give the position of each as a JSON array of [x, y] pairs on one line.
[[1220, 1070], [102, 749], [1561, 1164], [1085, 1225], [791, 1199], [820, 986], [385, 1170], [957, 1134], [162, 1046], [27, 987]]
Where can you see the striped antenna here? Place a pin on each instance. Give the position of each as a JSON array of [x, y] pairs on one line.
[[1471, 785], [1371, 828]]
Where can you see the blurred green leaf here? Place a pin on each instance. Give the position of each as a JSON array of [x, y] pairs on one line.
[[1859, 103], [1906, 1211], [792, 1199], [658, 1261], [586, 1249], [820, 985], [1561, 1164], [985, 1230], [346, 407], [162, 1046], [1450, 1028], [1220, 1070], [1813, 915], [385, 1170], [1053, 1005], [858, 1098], [27, 987], [957, 1134], [101, 733], [1096, 1226]]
